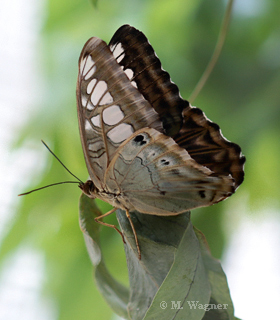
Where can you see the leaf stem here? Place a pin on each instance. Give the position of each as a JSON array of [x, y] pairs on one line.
[[216, 53]]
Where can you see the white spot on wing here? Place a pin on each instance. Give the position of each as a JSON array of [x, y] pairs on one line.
[[129, 73], [88, 67], [90, 73], [119, 59], [98, 92], [107, 99], [86, 103], [134, 84], [112, 48], [90, 85], [83, 62], [96, 120], [118, 52], [88, 126], [113, 115], [91, 147], [84, 100], [90, 106], [120, 133]]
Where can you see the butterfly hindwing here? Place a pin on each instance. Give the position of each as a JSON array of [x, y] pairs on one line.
[[156, 176]]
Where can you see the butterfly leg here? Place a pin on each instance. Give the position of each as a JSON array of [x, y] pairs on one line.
[[134, 232], [97, 219]]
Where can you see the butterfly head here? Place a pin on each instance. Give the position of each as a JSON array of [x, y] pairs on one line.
[[88, 188]]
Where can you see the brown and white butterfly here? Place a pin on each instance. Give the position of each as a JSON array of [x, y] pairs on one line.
[[146, 148]]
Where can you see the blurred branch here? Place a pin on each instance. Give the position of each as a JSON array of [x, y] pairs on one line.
[[216, 53]]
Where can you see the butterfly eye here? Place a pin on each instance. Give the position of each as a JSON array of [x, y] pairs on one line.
[[88, 188]]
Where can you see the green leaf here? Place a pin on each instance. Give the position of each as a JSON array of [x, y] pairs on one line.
[[171, 270], [114, 293], [222, 308], [186, 281], [176, 278]]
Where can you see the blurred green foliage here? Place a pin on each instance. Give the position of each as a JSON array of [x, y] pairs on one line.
[[242, 95]]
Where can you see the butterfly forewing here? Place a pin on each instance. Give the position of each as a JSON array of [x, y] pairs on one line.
[[134, 52], [207, 146], [110, 109]]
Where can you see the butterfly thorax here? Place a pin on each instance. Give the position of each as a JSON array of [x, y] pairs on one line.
[[115, 199]]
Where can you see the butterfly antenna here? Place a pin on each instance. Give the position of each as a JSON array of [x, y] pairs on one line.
[[80, 182], [49, 185], [61, 162]]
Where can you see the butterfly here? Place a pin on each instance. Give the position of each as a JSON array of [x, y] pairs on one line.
[[146, 148]]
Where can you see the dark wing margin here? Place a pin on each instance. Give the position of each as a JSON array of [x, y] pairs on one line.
[[205, 143], [152, 81]]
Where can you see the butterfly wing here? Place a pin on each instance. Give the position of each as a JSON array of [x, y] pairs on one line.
[[155, 176], [188, 125], [110, 108], [117, 93], [138, 59], [205, 143]]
